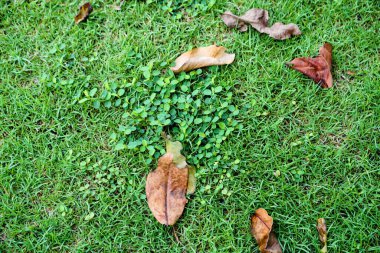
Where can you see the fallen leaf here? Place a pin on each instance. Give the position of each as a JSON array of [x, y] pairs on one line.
[[317, 68], [258, 19], [191, 183], [261, 229], [84, 12], [118, 7], [351, 73], [167, 185], [175, 147], [322, 231], [202, 57]]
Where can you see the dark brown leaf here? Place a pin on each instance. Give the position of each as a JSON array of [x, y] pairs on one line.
[[261, 229], [317, 68], [84, 12], [258, 19], [322, 231]]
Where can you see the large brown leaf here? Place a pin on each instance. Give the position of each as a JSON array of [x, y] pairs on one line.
[[202, 57], [167, 185], [261, 229], [317, 68], [258, 19], [84, 12], [322, 231]]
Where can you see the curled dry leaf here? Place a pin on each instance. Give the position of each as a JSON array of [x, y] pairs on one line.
[[317, 68], [202, 57], [258, 19], [191, 181], [322, 231], [261, 229], [84, 12], [167, 185]]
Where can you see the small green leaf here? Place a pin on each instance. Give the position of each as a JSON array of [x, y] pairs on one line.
[[218, 89], [82, 100], [108, 104], [89, 216], [119, 146], [93, 92], [207, 92], [121, 92], [96, 104], [198, 121]]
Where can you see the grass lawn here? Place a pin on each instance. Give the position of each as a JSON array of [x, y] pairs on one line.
[[65, 185]]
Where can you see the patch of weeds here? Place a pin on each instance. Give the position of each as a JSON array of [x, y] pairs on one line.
[[101, 179], [191, 107], [179, 8]]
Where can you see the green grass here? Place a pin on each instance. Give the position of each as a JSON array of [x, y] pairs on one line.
[[324, 142]]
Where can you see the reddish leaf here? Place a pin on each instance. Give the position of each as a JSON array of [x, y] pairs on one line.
[[84, 12], [322, 231], [317, 68], [261, 229]]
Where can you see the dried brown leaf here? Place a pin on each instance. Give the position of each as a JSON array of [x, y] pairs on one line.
[[191, 183], [166, 188], [261, 229], [168, 184], [84, 12], [258, 19], [202, 57], [317, 68], [322, 231]]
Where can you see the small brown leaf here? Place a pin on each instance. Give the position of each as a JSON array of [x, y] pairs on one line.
[[84, 12], [317, 68], [261, 229], [322, 231], [167, 185], [202, 57], [258, 19]]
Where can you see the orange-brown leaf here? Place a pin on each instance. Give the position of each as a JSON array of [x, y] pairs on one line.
[[202, 57], [258, 19], [166, 188], [84, 12], [261, 229], [322, 231], [317, 68]]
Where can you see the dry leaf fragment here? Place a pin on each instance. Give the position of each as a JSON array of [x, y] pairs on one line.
[[261, 229], [258, 19], [202, 57], [191, 180], [322, 231], [317, 68], [118, 7], [167, 185], [84, 12]]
